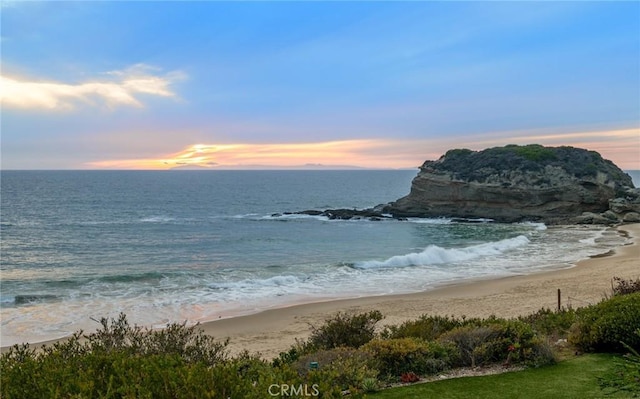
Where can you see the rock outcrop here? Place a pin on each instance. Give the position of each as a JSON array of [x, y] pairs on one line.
[[517, 183], [342, 214]]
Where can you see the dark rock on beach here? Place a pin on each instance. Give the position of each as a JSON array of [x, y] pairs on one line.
[[347, 214]]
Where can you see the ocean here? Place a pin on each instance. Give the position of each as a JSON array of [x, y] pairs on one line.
[[194, 246]]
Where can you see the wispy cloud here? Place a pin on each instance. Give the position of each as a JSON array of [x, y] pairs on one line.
[[620, 146], [121, 88], [224, 156]]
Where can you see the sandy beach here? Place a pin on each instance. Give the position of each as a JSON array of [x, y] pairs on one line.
[[273, 331]]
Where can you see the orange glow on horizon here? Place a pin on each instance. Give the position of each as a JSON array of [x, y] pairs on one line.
[[620, 146], [346, 153]]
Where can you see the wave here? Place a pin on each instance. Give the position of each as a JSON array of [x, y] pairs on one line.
[[157, 219], [275, 281], [430, 220], [132, 277], [434, 254], [536, 225]]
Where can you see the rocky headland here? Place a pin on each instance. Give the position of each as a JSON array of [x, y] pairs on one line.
[[554, 185], [518, 183]]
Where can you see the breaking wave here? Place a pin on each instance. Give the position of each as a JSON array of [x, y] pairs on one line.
[[433, 254]]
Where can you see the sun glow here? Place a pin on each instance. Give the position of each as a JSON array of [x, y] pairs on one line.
[[620, 146], [345, 153]]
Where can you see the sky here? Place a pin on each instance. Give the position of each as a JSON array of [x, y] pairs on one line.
[[301, 84]]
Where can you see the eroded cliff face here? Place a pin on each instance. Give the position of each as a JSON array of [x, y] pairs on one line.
[[514, 183]]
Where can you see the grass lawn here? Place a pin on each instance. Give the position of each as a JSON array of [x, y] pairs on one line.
[[575, 379]]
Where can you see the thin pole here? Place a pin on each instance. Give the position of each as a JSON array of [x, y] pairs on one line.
[[559, 299]]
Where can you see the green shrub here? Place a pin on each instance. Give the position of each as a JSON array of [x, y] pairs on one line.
[[476, 345], [535, 152], [370, 385], [290, 356], [344, 330], [604, 326], [554, 324], [65, 372], [477, 165], [457, 152], [114, 374], [402, 355], [498, 340], [349, 367], [190, 343], [120, 361], [427, 327]]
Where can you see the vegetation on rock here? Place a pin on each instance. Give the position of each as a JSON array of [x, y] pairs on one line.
[[471, 165]]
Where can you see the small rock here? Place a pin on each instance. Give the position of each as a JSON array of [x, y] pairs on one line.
[[591, 218], [631, 217], [610, 215]]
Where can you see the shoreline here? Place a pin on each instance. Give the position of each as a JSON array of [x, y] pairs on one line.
[[272, 331]]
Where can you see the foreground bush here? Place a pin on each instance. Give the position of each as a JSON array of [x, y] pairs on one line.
[[123, 361], [118, 361], [347, 368], [605, 326], [476, 345], [621, 286], [344, 330], [553, 324], [398, 356], [499, 341], [427, 327], [110, 375], [189, 343]]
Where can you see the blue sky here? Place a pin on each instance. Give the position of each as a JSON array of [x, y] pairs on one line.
[[132, 85]]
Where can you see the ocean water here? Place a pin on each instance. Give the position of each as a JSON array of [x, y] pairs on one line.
[[175, 246]]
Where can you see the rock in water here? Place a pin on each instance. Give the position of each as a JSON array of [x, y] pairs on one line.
[[514, 183]]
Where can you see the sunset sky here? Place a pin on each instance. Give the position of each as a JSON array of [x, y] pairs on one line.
[[158, 85]]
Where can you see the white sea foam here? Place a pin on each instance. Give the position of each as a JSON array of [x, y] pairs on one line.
[[275, 281], [592, 240], [535, 225], [434, 254], [430, 220], [294, 216], [157, 219]]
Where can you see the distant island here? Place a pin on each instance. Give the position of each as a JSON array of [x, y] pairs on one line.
[[307, 166]]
